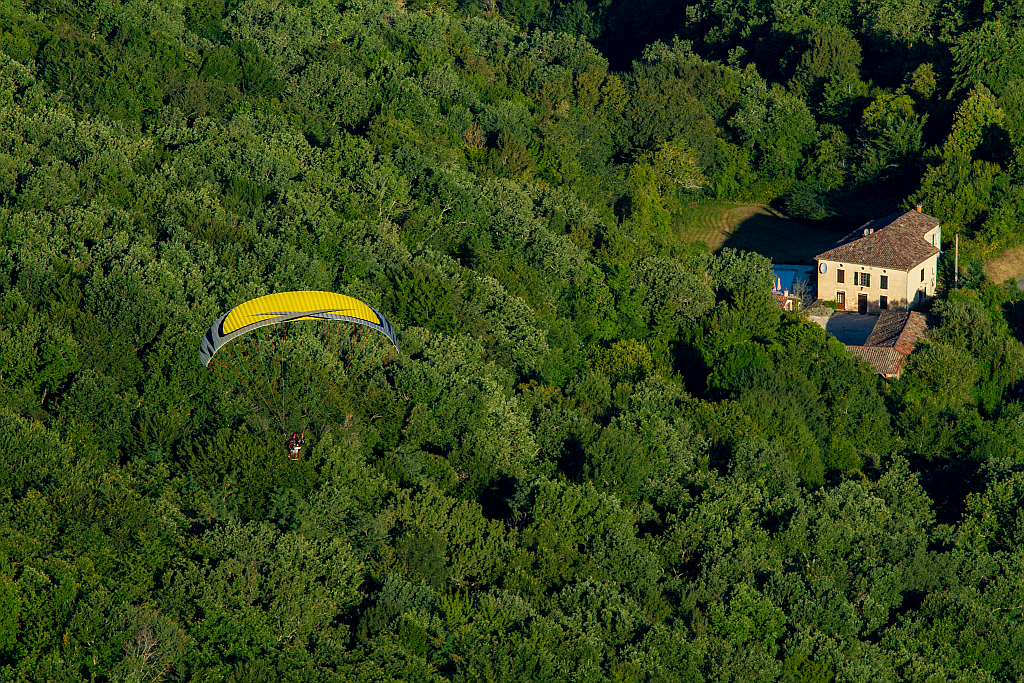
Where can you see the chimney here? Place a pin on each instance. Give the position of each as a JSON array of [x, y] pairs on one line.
[[919, 208]]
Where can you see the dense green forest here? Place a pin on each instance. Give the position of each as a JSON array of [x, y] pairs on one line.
[[603, 453]]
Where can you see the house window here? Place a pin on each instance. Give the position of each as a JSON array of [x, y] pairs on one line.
[[862, 279], [840, 276], [884, 284], [883, 302], [933, 239], [922, 275]]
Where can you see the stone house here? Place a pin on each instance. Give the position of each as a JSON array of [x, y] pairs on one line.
[[886, 264]]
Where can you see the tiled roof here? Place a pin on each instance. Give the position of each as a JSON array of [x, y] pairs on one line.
[[916, 328], [785, 301], [888, 328], [887, 361], [899, 330], [896, 241]]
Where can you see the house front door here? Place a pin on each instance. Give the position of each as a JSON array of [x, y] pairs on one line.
[[841, 301], [862, 303]]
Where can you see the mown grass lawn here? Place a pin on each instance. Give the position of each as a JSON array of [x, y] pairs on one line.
[[1007, 265], [757, 227]]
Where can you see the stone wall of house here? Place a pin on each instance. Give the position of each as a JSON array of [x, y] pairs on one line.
[[904, 289]]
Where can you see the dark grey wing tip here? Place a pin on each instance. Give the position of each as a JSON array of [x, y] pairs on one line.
[[209, 346], [387, 329]]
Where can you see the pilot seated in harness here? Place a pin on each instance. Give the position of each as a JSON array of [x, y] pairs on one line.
[[294, 445]]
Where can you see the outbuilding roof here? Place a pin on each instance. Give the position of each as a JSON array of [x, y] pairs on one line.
[[886, 361], [891, 341], [899, 330], [896, 241]]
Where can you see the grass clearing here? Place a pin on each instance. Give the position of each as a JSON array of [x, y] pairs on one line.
[[759, 228], [1008, 265]]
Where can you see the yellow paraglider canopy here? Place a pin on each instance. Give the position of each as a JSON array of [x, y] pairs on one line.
[[283, 307]]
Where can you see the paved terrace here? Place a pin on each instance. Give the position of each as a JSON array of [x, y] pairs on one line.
[[848, 327]]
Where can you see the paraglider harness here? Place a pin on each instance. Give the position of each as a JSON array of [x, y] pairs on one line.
[[294, 445]]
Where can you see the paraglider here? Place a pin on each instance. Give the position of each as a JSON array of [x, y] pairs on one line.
[[294, 445], [293, 353]]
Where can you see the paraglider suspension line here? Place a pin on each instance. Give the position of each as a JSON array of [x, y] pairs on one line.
[[330, 387], [245, 381]]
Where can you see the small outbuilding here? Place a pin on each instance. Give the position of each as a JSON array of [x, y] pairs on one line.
[[891, 340]]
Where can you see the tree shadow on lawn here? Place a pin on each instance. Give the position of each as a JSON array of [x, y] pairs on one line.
[[767, 231], [783, 239]]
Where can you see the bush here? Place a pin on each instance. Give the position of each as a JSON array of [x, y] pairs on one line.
[[825, 308]]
